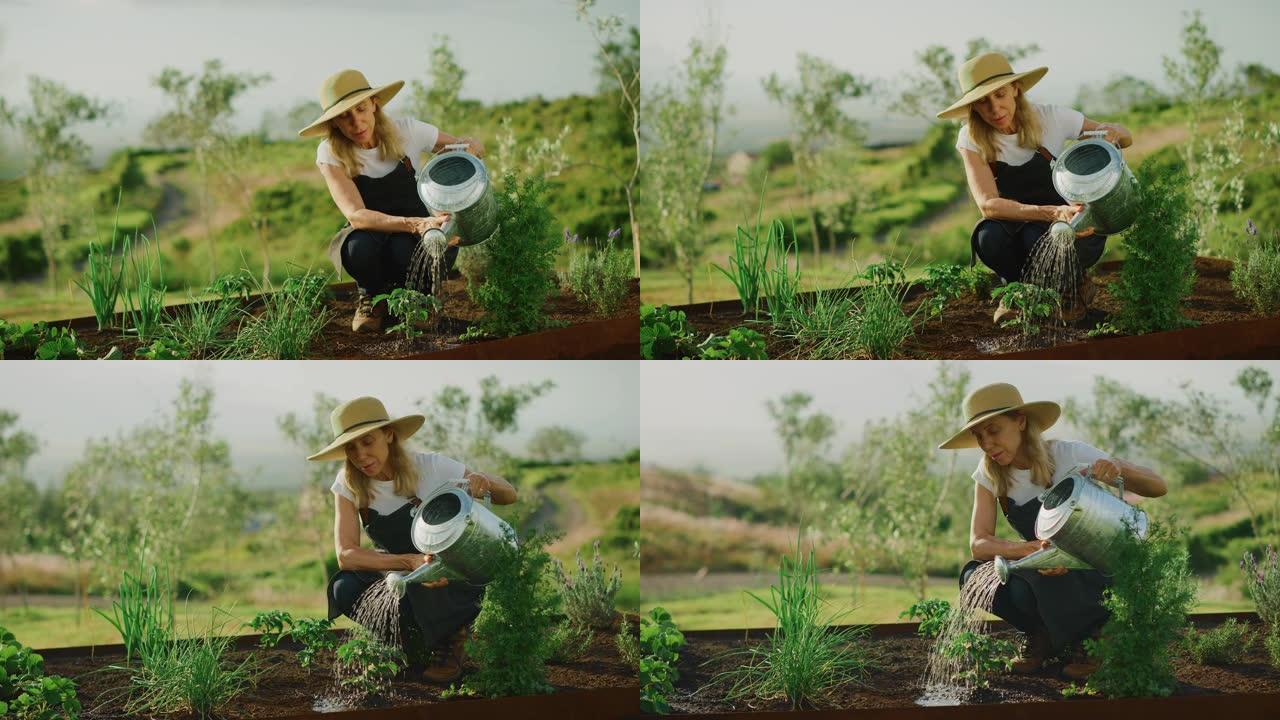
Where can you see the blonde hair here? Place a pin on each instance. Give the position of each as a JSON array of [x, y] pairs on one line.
[[384, 131], [1037, 449], [1030, 131], [404, 474]]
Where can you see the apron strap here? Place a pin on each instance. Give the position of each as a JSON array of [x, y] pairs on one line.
[[414, 500], [1004, 505], [407, 165], [1044, 153]]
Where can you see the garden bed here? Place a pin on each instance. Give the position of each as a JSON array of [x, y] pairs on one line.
[[578, 332], [1226, 327], [599, 685], [1250, 689]]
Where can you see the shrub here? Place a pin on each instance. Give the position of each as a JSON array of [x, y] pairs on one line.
[[980, 656], [1032, 302], [739, 344], [1256, 278], [367, 665], [1262, 585], [414, 309], [660, 640], [665, 333], [1222, 645], [628, 643], [1272, 643], [1152, 592], [588, 594], [933, 616], [599, 277], [521, 271], [1160, 247]]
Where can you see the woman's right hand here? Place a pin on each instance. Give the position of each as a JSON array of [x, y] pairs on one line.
[[414, 561], [421, 225], [1037, 545], [1065, 213]]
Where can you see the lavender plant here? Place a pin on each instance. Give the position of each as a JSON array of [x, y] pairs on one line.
[[588, 594], [599, 277]]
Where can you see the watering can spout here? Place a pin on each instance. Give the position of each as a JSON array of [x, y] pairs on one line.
[[1050, 557], [397, 583]]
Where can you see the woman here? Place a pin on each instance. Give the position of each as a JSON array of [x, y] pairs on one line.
[[1008, 145], [380, 488], [370, 164], [1055, 607]]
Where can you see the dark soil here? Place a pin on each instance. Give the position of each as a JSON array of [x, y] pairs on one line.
[[895, 681], [338, 341], [966, 330], [285, 689]]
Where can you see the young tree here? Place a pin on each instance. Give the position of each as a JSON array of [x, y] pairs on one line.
[[56, 160], [683, 125], [466, 428], [620, 61], [556, 443], [18, 494], [315, 501], [932, 86], [439, 101], [1120, 94], [821, 131]]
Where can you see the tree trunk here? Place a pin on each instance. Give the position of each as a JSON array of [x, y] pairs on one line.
[[817, 242], [635, 229]]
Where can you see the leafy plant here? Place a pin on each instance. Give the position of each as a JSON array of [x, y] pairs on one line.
[[232, 285], [59, 343], [512, 656], [946, 283], [102, 280], [290, 320], [143, 611], [1159, 267], [805, 657], [1152, 592], [598, 277], [570, 641], [273, 625], [661, 641], [315, 635], [980, 656], [628, 643], [979, 281], [1256, 276], [162, 349], [415, 310], [18, 665], [665, 333], [1032, 303], [1223, 645], [739, 344], [51, 697], [367, 665], [1262, 585], [144, 303], [933, 616], [588, 594]]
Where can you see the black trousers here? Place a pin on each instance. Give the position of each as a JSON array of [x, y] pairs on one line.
[[428, 616], [1004, 246], [379, 262], [1014, 602]]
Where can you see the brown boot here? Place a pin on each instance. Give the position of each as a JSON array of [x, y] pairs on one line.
[[368, 317], [446, 661], [1034, 655], [1080, 667]]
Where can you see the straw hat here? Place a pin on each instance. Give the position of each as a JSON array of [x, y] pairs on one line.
[[342, 91], [352, 419], [979, 76], [987, 402]]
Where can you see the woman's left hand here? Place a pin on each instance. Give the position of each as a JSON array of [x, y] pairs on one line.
[[475, 147], [1112, 136], [1105, 470], [478, 486]]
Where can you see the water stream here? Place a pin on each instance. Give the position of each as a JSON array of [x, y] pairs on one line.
[[427, 266], [1055, 264], [377, 612], [943, 684]]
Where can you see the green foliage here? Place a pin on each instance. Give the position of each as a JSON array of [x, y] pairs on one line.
[[740, 344], [59, 343], [665, 333], [570, 641], [628, 644], [144, 297], [235, 284], [522, 254], [18, 665], [805, 658], [511, 657], [761, 268], [414, 309], [660, 640], [44, 698], [1224, 645], [623, 530], [40, 339], [290, 320], [980, 656], [143, 611], [933, 614], [599, 277], [946, 282], [1272, 643], [1032, 303], [588, 594], [883, 324], [1262, 585], [197, 330], [367, 665], [1159, 267], [315, 635], [102, 281], [1256, 277], [273, 625], [1152, 592], [162, 349]]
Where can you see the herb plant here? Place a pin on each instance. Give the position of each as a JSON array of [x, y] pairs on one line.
[[104, 276], [760, 268], [273, 625], [588, 594], [51, 697], [570, 641], [143, 611], [933, 616], [144, 301], [290, 320], [1272, 643], [1160, 246], [739, 344], [238, 284], [415, 310], [660, 640], [598, 277], [1226, 644], [1032, 303], [665, 333], [945, 283], [1262, 585], [197, 330], [1256, 276], [59, 343], [366, 665], [628, 643], [315, 635], [980, 656], [18, 664]]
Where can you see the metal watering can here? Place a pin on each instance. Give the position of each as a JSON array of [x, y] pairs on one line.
[[464, 538], [1084, 521], [456, 182], [1093, 173]]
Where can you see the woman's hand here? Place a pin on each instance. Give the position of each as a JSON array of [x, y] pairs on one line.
[[414, 561], [479, 486], [1051, 572], [421, 225], [475, 147], [1105, 470], [1065, 213], [1113, 134]]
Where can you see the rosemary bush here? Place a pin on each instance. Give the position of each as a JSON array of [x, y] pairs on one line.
[[598, 277], [1226, 644], [1262, 585], [1256, 277], [588, 594], [1159, 266], [628, 643], [570, 641]]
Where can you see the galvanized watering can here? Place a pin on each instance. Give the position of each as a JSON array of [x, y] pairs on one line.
[[456, 182], [1085, 523], [1092, 172], [464, 538]]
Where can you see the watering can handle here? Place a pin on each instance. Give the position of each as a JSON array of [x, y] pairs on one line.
[[1094, 133], [487, 498], [1084, 470], [464, 146]]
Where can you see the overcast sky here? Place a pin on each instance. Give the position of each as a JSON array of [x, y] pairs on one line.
[[1082, 42], [713, 414], [112, 49], [65, 406]]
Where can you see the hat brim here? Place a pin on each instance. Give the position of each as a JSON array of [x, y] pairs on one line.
[[959, 110], [1045, 412], [321, 125], [404, 427]]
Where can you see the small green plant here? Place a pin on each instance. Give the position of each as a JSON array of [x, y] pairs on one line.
[[739, 344], [316, 636], [979, 281], [274, 625], [882, 323], [456, 691], [933, 616], [888, 272], [1262, 585], [1032, 303], [980, 656], [104, 275], [290, 320], [588, 594], [1159, 267], [665, 333], [1272, 643], [945, 283], [660, 641], [598, 277], [43, 698], [42, 340], [196, 330], [143, 610], [238, 284], [828, 327], [161, 349], [570, 641], [144, 301], [18, 665], [59, 343], [1226, 644], [761, 269], [806, 657], [628, 643], [1256, 276], [367, 665], [415, 310]]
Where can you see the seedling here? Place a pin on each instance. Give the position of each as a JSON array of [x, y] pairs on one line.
[[981, 656], [273, 625], [102, 280], [1032, 303], [367, 665], [230, 285], [664, 333], [660, 641], [739, 344], [628, 643], [946, 283], [144, 305], [415, 310], [933, 616]]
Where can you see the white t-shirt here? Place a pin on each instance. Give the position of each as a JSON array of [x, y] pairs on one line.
[[1059, 124], [434, 470], [1066, 455], [415, 135]]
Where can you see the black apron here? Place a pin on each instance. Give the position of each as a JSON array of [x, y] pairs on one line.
[[436, 612], [1030, 183], [395, 193], [1070, 605]]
